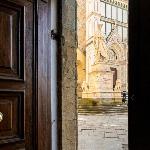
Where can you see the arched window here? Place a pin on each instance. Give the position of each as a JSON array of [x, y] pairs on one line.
[[114, 12], [108, 11], [120, 14], [102, 8]]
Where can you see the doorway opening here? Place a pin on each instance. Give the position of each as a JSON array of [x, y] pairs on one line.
[[102, 70]]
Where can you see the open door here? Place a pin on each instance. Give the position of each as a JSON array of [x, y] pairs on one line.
[[16, 92], [25, 75]]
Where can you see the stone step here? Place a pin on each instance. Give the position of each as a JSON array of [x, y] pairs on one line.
[[85, 110], [103, 109]]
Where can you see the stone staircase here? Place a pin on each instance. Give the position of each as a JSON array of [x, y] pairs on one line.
[[103, 109]]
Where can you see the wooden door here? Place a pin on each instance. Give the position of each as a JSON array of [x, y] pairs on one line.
[[25, 75], [16, 74]]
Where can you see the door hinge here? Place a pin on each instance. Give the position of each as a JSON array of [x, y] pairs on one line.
[[54, 35]]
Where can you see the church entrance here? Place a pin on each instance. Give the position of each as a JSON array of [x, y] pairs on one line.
[[102, 69]]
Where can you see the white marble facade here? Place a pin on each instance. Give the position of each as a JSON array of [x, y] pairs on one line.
[[106, 56]]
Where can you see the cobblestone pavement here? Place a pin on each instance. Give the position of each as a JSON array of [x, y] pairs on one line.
[[103, 131]]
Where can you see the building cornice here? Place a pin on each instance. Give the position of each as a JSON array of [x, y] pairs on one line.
[[119, 3]]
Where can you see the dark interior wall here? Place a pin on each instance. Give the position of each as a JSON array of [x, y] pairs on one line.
[[139, 74]]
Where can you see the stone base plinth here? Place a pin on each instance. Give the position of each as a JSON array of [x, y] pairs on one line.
[[102, 95]]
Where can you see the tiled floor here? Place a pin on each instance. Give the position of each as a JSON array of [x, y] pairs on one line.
[[103, 131]]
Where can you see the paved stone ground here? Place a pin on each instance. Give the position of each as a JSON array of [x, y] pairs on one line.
[[103, 131]]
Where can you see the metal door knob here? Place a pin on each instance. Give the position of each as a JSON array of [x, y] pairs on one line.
[[1, 117]]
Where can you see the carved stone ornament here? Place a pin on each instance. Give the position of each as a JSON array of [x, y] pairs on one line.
[[101, 50]]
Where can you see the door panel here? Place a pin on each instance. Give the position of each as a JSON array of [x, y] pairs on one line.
[[12, 108], [16, 92], [11, 41]]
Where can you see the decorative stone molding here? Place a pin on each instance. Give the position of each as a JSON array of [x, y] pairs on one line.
[[121, 4]]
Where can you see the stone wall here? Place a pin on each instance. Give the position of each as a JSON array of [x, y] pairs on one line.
[[81, 24], [69, 107], [80, 72]]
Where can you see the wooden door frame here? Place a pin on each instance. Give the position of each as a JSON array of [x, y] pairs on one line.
[[134, 39], [41, 106]]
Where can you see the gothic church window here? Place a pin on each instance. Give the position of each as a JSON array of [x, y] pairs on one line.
[[120, 14], [108, 11], [114, 12], [102, 8], [125, 16]]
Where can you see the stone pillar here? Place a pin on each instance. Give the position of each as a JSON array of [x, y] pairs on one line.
[[69, 76]]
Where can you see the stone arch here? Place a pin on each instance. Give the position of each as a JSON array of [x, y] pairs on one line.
[[117, 49]]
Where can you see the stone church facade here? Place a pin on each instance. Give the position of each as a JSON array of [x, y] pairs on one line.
[[102, 54]]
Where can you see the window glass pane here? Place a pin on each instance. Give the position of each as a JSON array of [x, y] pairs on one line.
[[120, 31], [108, 11], [108, 28], [125, 34], [119, 14], [114, 12], [125, 16], [103, 27], [102, 8]]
